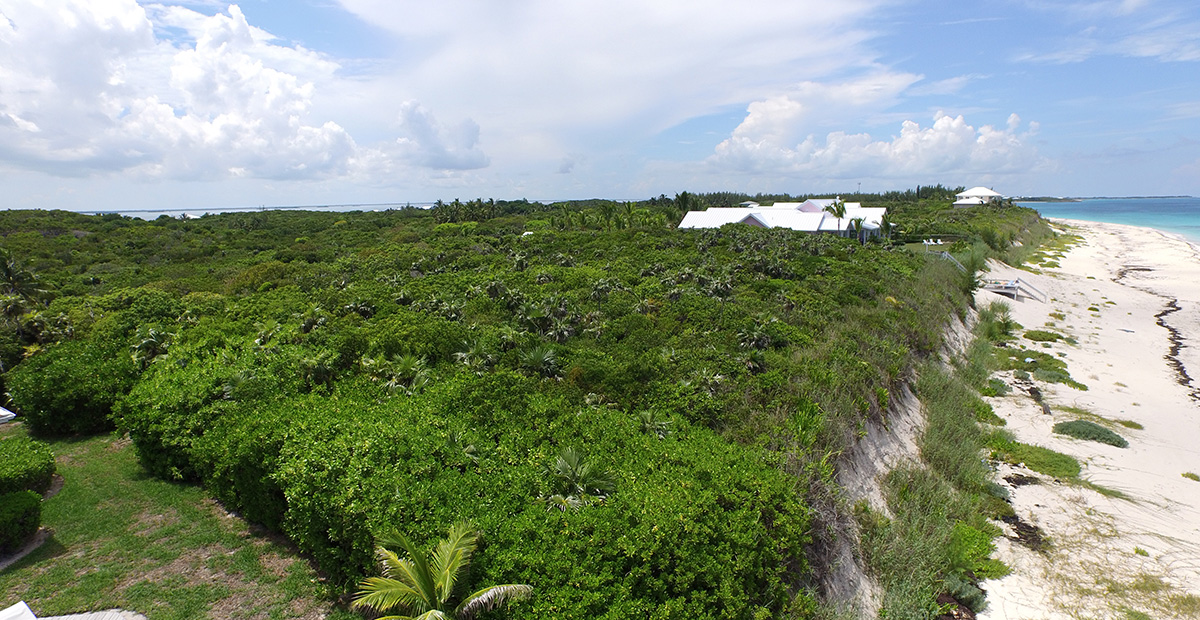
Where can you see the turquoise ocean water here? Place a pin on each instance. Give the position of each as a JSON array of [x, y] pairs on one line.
[[1176, 215]]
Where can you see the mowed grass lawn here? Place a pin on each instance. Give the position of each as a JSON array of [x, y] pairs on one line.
[[124, 540]]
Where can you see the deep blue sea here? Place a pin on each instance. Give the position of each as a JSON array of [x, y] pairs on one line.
[[1177, 215]]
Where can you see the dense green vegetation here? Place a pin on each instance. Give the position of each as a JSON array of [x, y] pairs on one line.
[[28, 465], [20, 517], [338, 376]]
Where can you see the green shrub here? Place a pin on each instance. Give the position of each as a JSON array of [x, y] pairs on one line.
[[332, 471], [70, 387], [20, 517], [995, 387], [965, 592], [1038, 335], [1083, 429], [26, 465], [1191, 476], [973, 547]]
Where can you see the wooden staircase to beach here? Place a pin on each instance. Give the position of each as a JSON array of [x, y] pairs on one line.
[[1015, 288]]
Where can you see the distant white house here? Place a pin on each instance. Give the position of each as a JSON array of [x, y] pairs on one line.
[[977, 196], [807, 216]]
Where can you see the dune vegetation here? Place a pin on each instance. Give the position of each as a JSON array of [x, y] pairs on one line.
[[638, 420]]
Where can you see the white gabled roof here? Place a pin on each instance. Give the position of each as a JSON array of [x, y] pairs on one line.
[[784, 215], [715, 217], [979, 192], [790, 218]]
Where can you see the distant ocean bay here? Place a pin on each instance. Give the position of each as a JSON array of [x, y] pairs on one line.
[[1175, 215]]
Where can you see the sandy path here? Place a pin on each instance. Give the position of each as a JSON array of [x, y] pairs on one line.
[[1140, 358]]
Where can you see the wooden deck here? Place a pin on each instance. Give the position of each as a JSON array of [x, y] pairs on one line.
[[1015, 288]]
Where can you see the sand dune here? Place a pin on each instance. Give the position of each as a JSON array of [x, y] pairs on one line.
[[1117, 293]]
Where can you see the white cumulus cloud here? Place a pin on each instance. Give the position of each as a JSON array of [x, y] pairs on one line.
[[950, 146], [431, 144], [94, 86]]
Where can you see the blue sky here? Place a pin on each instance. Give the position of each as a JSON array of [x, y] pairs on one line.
[[116, 104]]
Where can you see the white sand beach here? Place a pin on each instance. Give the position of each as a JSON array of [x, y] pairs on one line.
[[1110, 557]]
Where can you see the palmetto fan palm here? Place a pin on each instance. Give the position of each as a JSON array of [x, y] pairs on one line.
[[422, 585], [574, 475]]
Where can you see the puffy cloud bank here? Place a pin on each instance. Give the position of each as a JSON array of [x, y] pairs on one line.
[[165, 92], [761, 144]]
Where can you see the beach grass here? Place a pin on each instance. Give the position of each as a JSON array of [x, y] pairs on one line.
[[121, 539], [1087, 414], [1006, 448], [1041, 366], [939, 538]]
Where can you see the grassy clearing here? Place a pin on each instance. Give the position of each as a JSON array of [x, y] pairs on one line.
[[124, 540]]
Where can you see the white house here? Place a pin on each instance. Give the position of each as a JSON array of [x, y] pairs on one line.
[[977, 196], [807, 216]]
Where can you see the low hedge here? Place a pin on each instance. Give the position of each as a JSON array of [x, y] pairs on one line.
[[27, 465], [695, 525], [20, 517]]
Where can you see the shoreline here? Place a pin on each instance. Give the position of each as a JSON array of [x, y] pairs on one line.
[[1128, 298]]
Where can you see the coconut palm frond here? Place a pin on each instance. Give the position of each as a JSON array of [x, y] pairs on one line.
[[490, 598], [384, 594], [395, 567], [432, 614], [452, 555], [423, 580]]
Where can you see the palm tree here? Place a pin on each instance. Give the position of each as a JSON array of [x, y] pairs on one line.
[[15, 279], [474, 355], [576, 481], [540, 359], [13, 308], [655, 423], [608, 213], [422, 584], [837, 209], [857, 223], [151, 343], [885, 227]]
